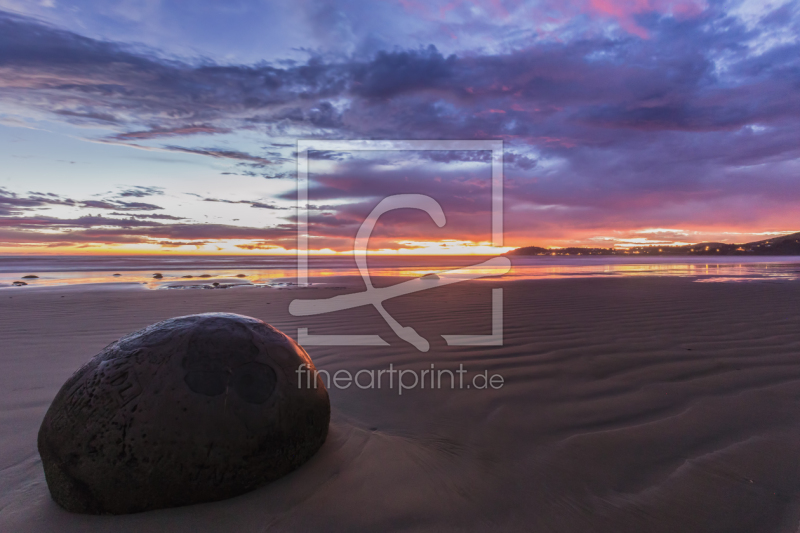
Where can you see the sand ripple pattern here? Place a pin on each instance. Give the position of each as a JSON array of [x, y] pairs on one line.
[[629, 405]]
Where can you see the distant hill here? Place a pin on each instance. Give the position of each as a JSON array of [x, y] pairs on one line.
[[785, 245]]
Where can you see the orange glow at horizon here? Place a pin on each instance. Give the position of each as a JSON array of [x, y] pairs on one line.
[[444, 248], [619, 239]]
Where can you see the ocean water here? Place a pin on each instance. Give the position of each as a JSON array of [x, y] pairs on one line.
[[281, 270]]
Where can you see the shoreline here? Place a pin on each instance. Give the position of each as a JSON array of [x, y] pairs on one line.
[[347, 282], [778, 267]]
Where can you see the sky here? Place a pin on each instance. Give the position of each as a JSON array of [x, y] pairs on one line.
[[154, 126]]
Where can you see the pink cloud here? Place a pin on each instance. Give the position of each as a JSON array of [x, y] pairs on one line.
[[625, 11]]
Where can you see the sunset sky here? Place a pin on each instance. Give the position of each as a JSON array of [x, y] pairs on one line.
[[171, 126]]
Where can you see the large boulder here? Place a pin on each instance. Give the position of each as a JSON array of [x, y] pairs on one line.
[[189, 410]]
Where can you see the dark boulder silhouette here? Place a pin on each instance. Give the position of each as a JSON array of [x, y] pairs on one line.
[[192, 409]]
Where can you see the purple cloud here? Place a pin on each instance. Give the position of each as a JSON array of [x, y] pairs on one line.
[[684, 117]]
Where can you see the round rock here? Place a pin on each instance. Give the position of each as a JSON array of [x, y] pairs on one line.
[[192, 409]]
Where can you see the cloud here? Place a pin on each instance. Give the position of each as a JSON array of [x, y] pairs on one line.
[[150, 217], [175, 244], [96, 229], [258, 246], [688, 116], [546, 94], [122, 206], [15, 207], [87, 221], [139, 191], [259, 205], [181, 131], [391, 74], [77, 116], [223, 154], [11, 203]]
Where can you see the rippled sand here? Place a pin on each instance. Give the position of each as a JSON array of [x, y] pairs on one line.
[[629, 405]]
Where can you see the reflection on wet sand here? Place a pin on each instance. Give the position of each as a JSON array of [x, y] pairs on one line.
[[323, 271]]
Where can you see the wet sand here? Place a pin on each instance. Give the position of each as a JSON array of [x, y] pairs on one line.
[[628, 405]]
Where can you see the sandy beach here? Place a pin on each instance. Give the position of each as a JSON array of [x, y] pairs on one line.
[[628, 405]]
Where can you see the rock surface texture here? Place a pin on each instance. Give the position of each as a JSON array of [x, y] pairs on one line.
[[192, 409]]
